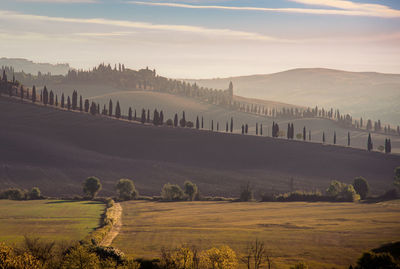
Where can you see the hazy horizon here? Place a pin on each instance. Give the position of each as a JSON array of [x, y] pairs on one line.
[[206, 39]]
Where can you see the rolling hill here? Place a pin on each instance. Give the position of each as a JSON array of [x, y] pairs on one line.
[[33, 68], [362, 94], [56, 150]]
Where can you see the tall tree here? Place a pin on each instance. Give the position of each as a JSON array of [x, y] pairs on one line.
[[256, 128], [93, 108], [74, 100], [176, 120], [261, 130], [117, 111], [143, 118], [110, 108], [323, 137], [183, 120], [309, 135], [348, 139], [217, 126], [161, 119], [135, 117], [289, 131], [369, 143], [130, 114], [87, 105], [202, 123], [56, 102], [212, 125], [68, 103], [80, 103], [62, 100], [51, 98], [156, 117], [148, 116], [197, 123], [226, 127], [242, 129], [304, 133], [231, 124], [45, 96], [334, 138], [246, 128]]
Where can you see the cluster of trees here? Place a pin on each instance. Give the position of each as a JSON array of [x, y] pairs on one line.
[[21, 194], [173, 192]]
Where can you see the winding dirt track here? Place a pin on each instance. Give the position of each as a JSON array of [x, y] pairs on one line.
[[117, 213]]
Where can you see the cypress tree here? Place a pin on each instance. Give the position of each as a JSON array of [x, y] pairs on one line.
[[22, 92], [104, 112], [41, 96], [176, 120], [143, 118], [348, 139], [217, 126], [390, 146], [87, 105], [304, 133], [202, 123], [183, 120], [334, 138], [226, 127], [212, 125], [309, 135], [27, 93], [242, 129], [161, 119], [156, 117], [98, 108], [69, 103], [323, 137], [45, 96], [93, 108], [74, 100], [80, 103], [130, 114], [197, 123], [292, 131], [51, 98], [56, 102], [261, 130], [135, 118], [246, 128], [117, 111], [256, 128], [288, 131], [369, 143], [148, 116], [231, 124], [62, 100], [386, 145], [110, 108]]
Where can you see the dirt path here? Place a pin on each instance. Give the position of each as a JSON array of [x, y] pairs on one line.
[[117, 214]]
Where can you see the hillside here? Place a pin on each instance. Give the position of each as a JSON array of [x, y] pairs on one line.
[[55, 150], [362, 94], [33, 68]]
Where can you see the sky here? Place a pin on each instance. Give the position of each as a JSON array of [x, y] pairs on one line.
[[205, 38]]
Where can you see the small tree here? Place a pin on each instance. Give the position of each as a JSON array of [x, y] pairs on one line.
[[361, 186], [190, 190], [118, 111], [256, 256], [126, 189], [246, 193], [80, 257], [369, 143], [397, 177], [34, 194], [172, 192], [91, 187]]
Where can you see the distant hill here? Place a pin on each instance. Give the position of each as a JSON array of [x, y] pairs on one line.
[[366, 94], [55, 150], [33, 68]]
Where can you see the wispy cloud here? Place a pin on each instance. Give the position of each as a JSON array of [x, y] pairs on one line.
[[346, 8], [59, 1], [146, 26]]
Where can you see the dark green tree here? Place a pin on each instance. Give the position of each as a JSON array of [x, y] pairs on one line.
[[110, 108], [117, 111], [45, 96], [80, 103], [74, 100], [231, 124], [261, 130], [304, 133], [148, 116], [91, 186], [226, 127], [161, 119], [334, 138], [51, 98], [176, 120], [87, 105], [143, 118], [323, 137], [68, 103], [369, 143], [62, 100], [361, 186], [93, 108], [348, 139], [130, 114], [197, 123], [190, 190], [56, 102], [126, 189], [182, 122]]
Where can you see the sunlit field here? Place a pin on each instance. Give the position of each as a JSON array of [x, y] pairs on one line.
[[48, 219], [324, 235]]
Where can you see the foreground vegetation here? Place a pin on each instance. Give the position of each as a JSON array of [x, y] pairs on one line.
[[50, 219], [324, 235]]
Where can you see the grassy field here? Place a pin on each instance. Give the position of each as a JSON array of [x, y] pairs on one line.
[[48, 219], [325, 235]]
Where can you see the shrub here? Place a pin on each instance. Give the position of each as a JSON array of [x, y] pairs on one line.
[[109, 254], [91, 187], [219, 258], [170, 122], [172, 192], [190, 190], [34, 194], [13, 194], [301, 196], [189, 124], [179, 258], [300, 265], [361, 186], [397, 177], [342, 192], [126, 189], [9, 258], [370, 260], [80, 257]]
